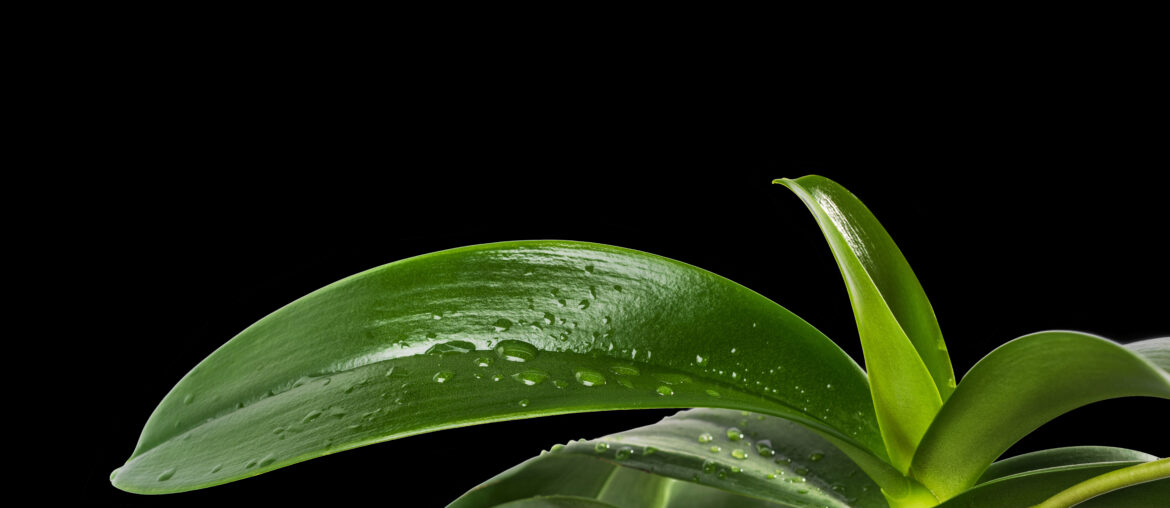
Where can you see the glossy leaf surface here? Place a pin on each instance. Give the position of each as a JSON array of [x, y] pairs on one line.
[[1020, 386], [488, 333], [733, 453], [910, 370], [1031, 488], [1061, 457]]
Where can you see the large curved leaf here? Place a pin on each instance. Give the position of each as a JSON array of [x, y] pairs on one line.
[[910, 371], [488, 333], [1020, 386], [1031, 488], [1114, 481], [1061, 457], [736, 453]]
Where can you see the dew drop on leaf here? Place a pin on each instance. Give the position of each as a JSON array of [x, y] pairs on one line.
[[451, 348], [709, 466], [515, 350], [530, 377], [764, 448], [588, 377], [623, 453], [625, 370]]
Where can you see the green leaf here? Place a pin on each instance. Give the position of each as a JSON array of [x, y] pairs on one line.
[[1143, 495], [1058, 457], [1112, 481], [556, 502], [1019, 387], [1033, 487], [738, 453], [595, 478], [910, 371], [488, 333]]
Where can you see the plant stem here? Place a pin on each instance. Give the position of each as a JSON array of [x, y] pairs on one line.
[[1109, 482]]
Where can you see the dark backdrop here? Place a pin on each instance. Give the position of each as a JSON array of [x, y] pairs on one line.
[[1017, 212]]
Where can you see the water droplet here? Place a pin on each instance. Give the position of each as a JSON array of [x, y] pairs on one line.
[[523, 402], [739, 454], [583, 305], [166, 475], [801, 470], [715, 449], [530, 377], [497, 377], [815, 456], [601, 447], [188, 399], [649, 450], [626, 383], [251, 464], [701, 360], [484, 361], [705, 437], [589, 268], [617, 287], [733, 350], [217, 468], [735, 469], [951, 382], [764, 448], [436, 317], [278, 430], [721, 475], [734, 434], [396, 372], [664, 390], [605, 320], [709, 466], [502, 324], [560, 383], [713, 393], [443, 375], [515, 350], [557, 447], [623, 453], [452, 347], [268, 459], [625, 370], [672, 379], [589, 377]]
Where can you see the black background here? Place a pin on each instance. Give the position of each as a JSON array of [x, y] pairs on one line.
[[215, 198]]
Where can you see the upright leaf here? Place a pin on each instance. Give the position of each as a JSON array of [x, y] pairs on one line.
[[1022, 385], [488, 333], [905, 355]]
